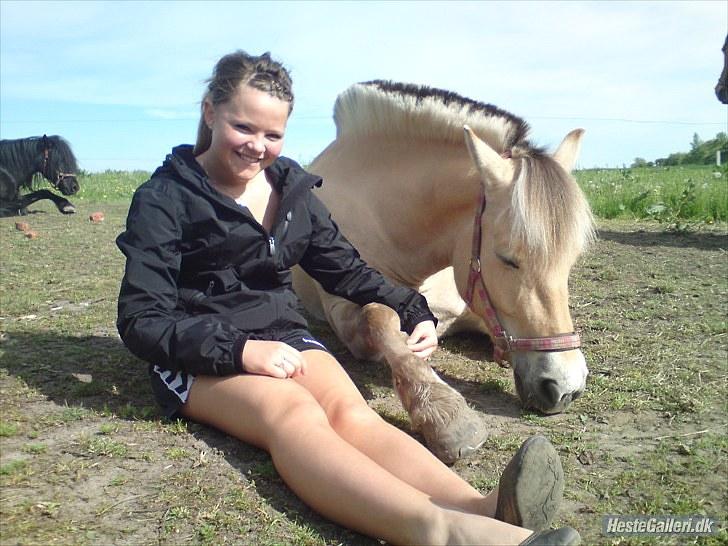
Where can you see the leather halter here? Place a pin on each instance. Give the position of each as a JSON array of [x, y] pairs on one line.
[[44, 169], [504, 343]]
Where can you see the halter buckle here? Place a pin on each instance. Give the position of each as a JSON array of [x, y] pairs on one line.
[[475, 264]]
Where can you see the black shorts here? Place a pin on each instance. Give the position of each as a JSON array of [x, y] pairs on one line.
[[171, 388]]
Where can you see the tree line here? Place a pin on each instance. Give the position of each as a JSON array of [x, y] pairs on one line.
[[701, 153]]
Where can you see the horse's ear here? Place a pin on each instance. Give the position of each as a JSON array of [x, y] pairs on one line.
[[568, 150], [494, 170]]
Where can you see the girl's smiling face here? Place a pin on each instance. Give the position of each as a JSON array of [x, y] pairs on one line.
[[247, 135]]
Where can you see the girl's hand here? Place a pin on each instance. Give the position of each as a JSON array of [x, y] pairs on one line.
[[272, 358], [423, 340]]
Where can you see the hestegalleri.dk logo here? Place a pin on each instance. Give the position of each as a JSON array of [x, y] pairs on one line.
[[658, 525]]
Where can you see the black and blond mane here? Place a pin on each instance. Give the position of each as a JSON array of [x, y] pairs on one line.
[[549, 215], [385, 107]]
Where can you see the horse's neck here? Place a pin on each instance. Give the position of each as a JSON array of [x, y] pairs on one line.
[[422, 196], [26, 169]]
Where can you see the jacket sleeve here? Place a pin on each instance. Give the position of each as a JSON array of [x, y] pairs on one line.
[[336, 264], [150, 322]]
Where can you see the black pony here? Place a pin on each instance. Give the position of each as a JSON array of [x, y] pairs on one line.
[[21, 159]]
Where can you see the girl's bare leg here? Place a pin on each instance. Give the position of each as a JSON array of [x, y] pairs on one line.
[[388, 446], [327, 472]]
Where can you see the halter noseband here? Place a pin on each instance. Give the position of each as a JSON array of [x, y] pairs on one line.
[[503, 342]]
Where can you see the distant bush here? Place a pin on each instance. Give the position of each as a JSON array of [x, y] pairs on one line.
[[701, 153]]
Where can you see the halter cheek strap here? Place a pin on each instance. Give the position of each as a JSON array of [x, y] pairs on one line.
[[503, 343], [44, 169]]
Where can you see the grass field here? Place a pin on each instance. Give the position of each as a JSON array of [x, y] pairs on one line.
[[686, 196], [85, 459], [679, 197]]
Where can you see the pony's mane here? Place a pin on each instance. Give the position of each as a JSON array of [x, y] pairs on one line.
[[549, 214], [62, 149]]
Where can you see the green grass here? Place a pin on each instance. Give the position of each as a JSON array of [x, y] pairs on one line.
[[8, 429], [669, 194], [698, 193], [109, 186]]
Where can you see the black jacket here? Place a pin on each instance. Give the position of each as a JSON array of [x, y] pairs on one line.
[[203, 276]]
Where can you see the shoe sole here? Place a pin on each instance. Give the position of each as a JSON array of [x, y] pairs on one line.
[[532, 486]]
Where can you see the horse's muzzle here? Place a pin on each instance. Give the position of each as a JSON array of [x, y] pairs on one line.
[[550, 383], [68, 185]]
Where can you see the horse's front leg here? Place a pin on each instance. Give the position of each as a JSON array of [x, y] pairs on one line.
[[450, 427], [62, 204]]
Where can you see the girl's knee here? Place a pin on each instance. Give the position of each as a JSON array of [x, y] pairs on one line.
[[298, 408], [347, 415]]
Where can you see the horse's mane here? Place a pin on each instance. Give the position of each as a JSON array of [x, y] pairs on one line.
[[387, 107], [549, 214], [21, 157]]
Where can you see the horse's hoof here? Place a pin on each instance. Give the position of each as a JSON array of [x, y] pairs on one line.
[[532, 485], [68, 209], [459, 438]]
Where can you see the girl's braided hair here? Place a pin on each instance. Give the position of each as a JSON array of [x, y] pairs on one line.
[[236, 69]]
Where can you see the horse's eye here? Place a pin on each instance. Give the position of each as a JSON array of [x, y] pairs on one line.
[[508, 262]]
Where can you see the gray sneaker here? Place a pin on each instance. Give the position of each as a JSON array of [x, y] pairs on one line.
[[531, 487], [565, 536]]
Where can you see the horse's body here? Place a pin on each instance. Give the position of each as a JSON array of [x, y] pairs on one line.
[[403, 186], [721, 88], [22, 159]]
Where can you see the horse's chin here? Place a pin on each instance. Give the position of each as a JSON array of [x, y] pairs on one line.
[[549, 382]]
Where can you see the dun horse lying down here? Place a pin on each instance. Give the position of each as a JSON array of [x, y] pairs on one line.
[[407, 179]]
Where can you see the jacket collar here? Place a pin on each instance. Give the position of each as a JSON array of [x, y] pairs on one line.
[[285, 173]]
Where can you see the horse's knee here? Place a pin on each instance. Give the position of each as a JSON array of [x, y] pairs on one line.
[[378, 331], [381, 320]]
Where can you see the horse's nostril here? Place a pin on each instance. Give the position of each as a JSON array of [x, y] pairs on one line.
[[576, 395], [550, 392]]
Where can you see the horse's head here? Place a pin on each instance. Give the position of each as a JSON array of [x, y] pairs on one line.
[[67, 183], [59, 164], [535, 225]]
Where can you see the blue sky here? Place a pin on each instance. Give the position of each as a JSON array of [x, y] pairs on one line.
[[122, 80]]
